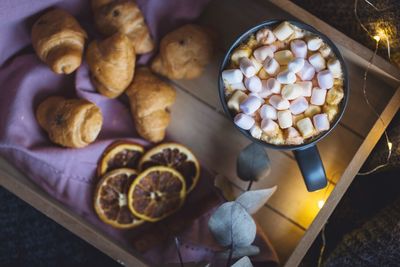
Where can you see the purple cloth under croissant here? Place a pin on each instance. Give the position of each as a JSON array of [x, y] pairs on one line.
[[69, 174]]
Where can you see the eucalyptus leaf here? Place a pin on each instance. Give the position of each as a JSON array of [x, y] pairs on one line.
[[243, 262], [253, 200], [239, 252], [232, 225], [253, 163]]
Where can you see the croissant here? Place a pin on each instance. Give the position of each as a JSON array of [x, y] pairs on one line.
[[58, 40], [70, 122], [183, 53], [112, 64], [150, 99], [111, 16]]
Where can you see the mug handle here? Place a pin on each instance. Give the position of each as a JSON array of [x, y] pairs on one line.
[[311, 168]]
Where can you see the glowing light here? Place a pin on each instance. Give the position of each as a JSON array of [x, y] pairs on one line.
[[377, 38], [390, 145], [321, 203]]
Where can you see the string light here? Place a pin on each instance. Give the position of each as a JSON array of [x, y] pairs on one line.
[[320, 203], [379, 36]]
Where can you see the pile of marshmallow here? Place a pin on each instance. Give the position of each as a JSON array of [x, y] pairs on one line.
[[284, 85]]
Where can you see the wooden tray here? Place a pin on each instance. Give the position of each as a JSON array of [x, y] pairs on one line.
[[292, 218]]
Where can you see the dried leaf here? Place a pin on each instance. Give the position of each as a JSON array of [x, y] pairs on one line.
[[223, 184], [239, 252], [232, 225], [253, 163], [253, 200], [243, 262]]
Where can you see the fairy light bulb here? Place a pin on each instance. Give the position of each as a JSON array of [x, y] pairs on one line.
[[320, 203], [377, 38], [390, 145]]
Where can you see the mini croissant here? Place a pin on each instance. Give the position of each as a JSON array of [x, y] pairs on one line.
[[123, 16], [58, 40], [150, 99], [183, 53], [70, 122], [112, 64]]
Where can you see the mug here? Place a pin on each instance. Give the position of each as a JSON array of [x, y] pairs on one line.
[[307, 155]]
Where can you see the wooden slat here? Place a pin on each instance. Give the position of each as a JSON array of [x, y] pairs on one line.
[[348, 176], [24, 188]]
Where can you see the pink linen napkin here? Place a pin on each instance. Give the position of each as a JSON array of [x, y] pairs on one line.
[[69, 174]]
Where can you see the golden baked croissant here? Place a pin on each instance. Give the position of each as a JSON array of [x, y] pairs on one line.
[[123, 16], [112, 64], [70, 122], [58, 40], [150, 99], [183, 53]]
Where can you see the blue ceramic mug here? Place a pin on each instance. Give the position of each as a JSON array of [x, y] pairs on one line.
[[306, 154]]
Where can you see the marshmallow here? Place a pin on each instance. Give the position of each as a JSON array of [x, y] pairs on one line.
[[335, 67], [235, 100], [284, 57], [279, 103], [291, 91], [265, 91], [286, 77], [256, 64], [258, 96], [317, 61], [331, 110], [293, 137], [250, 104], [285, 119], [305, 127], [268, 112], [256, 131], [296, 64], [307, 72], [296, 118], [325, 50], [321, 122], [318, 96], [263, 74], [298, 32], [269, 126], [273, 85], [325, 79], [306, 88], [283, 31], [299, 105], [253, 84], [247, 67], [271, 66], [232, 76], [334, 96], [312, 110], [238, 86], [265, 36], [242, 51], [263, 52], [244, 121], [314, 43], [298, 48]]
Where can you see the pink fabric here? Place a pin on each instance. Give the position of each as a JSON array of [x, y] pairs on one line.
[[69, 174]]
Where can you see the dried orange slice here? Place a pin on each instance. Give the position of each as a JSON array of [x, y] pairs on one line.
[[177, 157], [111, 200], [156, 193], [120, 154]]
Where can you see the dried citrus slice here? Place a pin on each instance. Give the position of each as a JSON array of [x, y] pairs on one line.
[[111, 201], [120, 154], [175, 156], [156, 193]]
